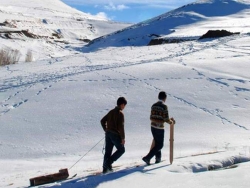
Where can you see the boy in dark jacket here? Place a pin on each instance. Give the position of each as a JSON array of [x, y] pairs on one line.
[[113, 125], [159, 115]]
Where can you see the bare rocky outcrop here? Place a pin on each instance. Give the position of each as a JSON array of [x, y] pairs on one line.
[[159, 41], [217, 34]]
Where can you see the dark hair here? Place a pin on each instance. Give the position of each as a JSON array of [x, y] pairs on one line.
[[162, 95], [121, 100]]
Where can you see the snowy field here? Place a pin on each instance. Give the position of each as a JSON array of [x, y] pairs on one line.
[[50, 115]]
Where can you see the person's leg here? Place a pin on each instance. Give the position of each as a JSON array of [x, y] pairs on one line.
[[116, 140], [108, 151], [158, 135], [158, 154], [160, 142], [158, 157], [152, 145]]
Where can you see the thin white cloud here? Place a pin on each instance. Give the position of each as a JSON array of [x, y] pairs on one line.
[[102, 15], [112, 6], [166, 3]]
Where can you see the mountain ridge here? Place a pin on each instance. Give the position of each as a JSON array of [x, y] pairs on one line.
[[227, 14], [51, 27]]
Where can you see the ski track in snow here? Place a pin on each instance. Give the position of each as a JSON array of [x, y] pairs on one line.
[[217, 82], [214, 81], [187, 102], [27, 82], [89, 68]]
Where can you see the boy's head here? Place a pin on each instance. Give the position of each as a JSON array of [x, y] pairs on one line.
[[121, 102], [162, 96]]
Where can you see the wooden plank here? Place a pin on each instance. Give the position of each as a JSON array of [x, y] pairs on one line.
[[171, 140], [40, 180]]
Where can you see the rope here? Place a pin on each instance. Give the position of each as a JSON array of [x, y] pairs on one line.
[[86, 153], [103, 148]]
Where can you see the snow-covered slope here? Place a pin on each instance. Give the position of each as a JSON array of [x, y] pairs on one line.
[[47, 7], [232, 15], [50, 114], [53, 25]]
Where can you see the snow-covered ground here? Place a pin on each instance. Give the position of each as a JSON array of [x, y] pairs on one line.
[[50, 112]]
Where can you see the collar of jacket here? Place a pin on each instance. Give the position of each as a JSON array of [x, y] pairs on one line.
[[161, 101], [118, 108]]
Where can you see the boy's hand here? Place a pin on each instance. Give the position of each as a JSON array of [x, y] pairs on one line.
[[173, 120], [123, 141]]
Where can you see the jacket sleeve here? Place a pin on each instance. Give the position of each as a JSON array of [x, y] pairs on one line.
[[121, 125], [166, 115], [104, 122]]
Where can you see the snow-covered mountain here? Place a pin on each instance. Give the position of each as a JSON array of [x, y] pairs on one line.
[[47, 27], [50, 110], [204, 15]]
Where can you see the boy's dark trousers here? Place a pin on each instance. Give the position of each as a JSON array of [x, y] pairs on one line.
[[112, 140], [158, 135]]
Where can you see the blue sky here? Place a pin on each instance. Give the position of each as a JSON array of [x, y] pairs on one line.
[[132, 11]]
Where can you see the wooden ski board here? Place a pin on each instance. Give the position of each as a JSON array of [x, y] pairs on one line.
[[117, 168], [61, 175], [171, 140], [100, 172]]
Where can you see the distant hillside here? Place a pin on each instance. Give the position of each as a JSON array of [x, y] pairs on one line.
[[49, 28], [190, 21]]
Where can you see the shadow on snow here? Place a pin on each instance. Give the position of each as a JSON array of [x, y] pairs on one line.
[[93, 181]]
